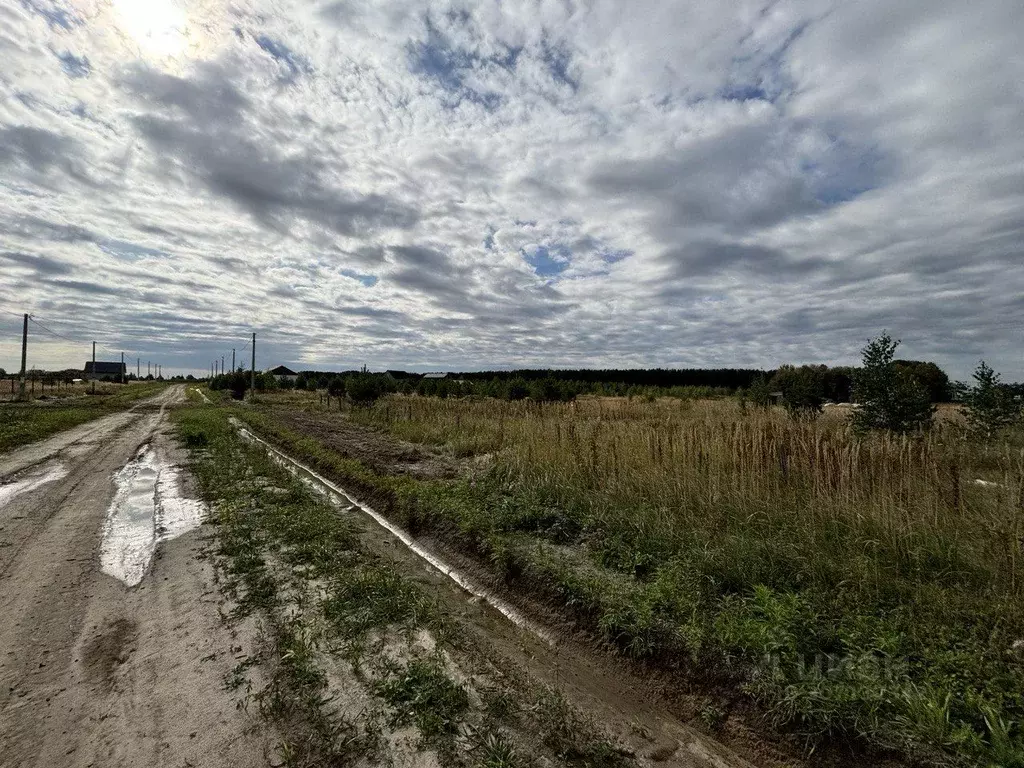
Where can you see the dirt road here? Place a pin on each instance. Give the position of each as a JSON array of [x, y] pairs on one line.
[[112, 647]]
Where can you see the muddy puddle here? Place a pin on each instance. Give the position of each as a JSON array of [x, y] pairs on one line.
[[30, 479], [344, 500], [148, 508]]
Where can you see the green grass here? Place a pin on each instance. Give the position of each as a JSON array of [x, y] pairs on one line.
[[423, 693], [326, 598], [23, 423], [902, 641]]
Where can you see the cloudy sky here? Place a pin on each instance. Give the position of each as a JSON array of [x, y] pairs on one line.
[[446, 185]]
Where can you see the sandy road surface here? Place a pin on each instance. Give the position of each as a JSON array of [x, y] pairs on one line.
[[112, 651]]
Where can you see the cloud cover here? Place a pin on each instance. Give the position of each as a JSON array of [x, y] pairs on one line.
[[472, 184]]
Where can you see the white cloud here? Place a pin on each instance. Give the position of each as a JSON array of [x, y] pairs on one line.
[[473, 184]]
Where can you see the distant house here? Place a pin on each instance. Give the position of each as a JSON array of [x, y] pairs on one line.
[[100, 370], [400, 375], [435, 375], [283, 373]]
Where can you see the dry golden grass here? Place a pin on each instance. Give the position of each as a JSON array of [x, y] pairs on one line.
[[686, 465]]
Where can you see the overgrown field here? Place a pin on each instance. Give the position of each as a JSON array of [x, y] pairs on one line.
[[856, 588], [22, 423], [360, 664]]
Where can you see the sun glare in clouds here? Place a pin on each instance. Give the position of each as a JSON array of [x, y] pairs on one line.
[[157, 27]]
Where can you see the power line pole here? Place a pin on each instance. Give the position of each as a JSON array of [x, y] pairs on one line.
[[233, 369], [94, 367], [138, 367], [24, 357], [252, 375], [149, 368], [122, 367]]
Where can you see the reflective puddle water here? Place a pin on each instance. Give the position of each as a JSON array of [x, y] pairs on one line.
[[147, 508], [341, 498], [31, 479]]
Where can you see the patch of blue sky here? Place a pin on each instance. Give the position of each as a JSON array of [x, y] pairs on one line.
[[743, 92], [448, 66], [74, 66], [368, 281], [844, 172], [547, 262], [55, 13], [122, 249], [558, 62], [613, 256], [285, 56]]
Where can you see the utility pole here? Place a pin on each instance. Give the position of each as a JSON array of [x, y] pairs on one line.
[[122, 367], [138, 367], [24, 357], [222, 365], [233, 369], [252, 375], [149, 368], [94, 367]]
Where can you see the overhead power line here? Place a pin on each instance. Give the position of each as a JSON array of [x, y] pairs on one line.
[[54, 333]]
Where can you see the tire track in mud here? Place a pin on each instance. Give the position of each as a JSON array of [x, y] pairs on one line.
[[338, 496], [618, 699]]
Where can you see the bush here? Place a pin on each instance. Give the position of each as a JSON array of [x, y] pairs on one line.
[[890, 397], [803, 390]]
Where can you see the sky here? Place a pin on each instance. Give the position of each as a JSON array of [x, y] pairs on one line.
[[472, 185]]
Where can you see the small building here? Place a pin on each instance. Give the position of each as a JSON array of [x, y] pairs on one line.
[[776, 397], [435, 375], [393, 375], [110, 371], [283, 373]]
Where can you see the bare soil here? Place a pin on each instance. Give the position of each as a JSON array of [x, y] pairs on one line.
[[93, 672], [381, 452]]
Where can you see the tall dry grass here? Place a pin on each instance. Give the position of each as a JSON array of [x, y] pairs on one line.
[[874, 508]]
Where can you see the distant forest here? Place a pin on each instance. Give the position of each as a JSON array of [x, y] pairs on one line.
[[718, 378], [817, 383]]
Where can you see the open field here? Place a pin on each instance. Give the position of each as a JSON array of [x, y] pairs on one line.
[[22, 423], [866, 590], [371, 656]]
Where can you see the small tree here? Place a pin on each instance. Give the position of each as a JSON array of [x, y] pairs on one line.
[[988, 405], [336, 386], [889, 398], [760, 393], [364, 388]]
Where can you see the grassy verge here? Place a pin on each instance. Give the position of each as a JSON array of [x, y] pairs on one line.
[[361, 663], [22, 423], [890, 613]]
